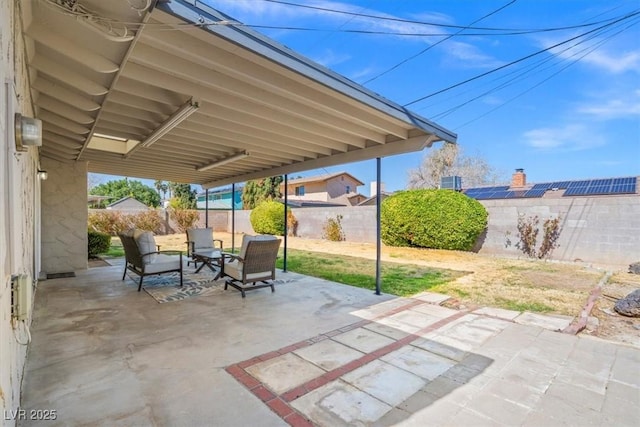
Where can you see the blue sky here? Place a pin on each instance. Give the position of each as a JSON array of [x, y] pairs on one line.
[[567, 113]]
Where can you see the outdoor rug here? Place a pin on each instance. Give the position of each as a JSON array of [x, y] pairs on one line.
[[166, 287]]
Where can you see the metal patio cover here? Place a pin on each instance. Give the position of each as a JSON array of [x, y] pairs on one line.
[[108, 69]]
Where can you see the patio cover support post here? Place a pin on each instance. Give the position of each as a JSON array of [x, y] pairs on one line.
[[206, 208], [233, 217], [286, 225], [378, 244]]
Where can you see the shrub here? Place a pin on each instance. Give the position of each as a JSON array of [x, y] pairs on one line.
[[99, 243], [184, 218], [108, 222], [146, 220], [268, 218], [332, 229], [528, 235], [438, 219]]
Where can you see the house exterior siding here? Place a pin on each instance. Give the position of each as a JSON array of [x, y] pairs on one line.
[[19, 207]]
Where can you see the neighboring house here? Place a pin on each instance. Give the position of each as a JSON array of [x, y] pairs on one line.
[[339, 188], [371, 201], [96, 202], [128, 204], [220, 199]]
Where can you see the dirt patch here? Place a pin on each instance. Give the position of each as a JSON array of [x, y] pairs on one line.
[[611, 325]]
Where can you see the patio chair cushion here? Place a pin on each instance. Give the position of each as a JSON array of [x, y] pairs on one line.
[[146, 243], [202, 238], [163, 263], [234, 269]]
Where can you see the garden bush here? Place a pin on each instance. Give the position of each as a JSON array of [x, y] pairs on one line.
[[332, 229], [99, 243], [268, 218], [437, 219], [108, 222], [146, 220], [184, 218]]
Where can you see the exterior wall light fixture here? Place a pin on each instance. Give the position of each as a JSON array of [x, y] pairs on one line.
[[43, 175], [28, 132]]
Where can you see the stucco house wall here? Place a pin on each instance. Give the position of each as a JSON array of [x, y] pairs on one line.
[[64, 217], [19, 208], [337, 186]]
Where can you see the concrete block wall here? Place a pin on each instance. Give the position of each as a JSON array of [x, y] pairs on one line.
[[603, 229], [358, 223]]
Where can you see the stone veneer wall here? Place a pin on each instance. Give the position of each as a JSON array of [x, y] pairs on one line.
[[64, 217], [19, 208]]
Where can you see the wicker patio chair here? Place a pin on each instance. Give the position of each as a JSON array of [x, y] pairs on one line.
[[255, 263], [142, 259]]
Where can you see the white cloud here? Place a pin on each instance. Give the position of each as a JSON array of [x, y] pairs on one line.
[[607, 59], [614, 63], [470, 55], [614, 108], [571, 137], [329, 58], [268, 13]]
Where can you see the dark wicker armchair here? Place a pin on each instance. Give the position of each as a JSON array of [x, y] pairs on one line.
[[255, 263], [143, 260]]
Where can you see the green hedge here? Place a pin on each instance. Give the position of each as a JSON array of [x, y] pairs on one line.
[[268, 218], [99, 243], [437, 219]]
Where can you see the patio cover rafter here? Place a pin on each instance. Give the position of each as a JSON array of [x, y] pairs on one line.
[[254, 94]]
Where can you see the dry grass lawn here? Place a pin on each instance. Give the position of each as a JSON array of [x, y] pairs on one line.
[[531, 285]]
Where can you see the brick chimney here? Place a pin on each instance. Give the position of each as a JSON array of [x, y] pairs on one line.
[[519, 179]]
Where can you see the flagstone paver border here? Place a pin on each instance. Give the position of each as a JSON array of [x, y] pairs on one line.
[[280, 403]]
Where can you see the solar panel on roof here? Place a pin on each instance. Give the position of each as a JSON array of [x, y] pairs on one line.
[[541, 186], [535, 192], [560, 184], [624, 185]]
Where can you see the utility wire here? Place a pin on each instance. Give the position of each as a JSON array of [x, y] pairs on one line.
[[434, 24], [437, 43], [517, 61], [539, 83], [578, 55]]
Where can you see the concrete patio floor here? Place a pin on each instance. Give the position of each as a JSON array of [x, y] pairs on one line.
[[313, 352]]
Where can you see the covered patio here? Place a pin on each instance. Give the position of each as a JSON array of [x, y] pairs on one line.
[[173, 90], [313, 352]]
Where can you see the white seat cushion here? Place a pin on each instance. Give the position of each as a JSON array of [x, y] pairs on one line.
[[201, 237], [163, 263], [146, 244], [234, 269]]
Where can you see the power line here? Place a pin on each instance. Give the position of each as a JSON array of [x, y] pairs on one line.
[[589, 51], [517, 61], [437, 43], [434, 24]]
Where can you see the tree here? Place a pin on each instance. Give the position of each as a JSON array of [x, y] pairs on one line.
[[162, 188], [448, 160], [128, 188], [259, 190], [183, 196]]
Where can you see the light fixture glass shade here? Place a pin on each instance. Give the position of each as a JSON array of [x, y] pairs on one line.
[[183, 112], [28, 132], [43, 175], [224, 161]]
